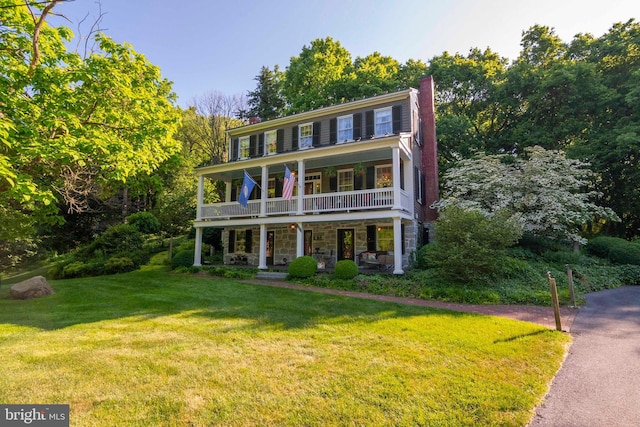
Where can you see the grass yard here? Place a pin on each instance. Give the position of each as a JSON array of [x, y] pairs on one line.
[[152, 348]]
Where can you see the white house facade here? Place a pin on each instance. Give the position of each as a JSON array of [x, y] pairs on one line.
[[364, 173]]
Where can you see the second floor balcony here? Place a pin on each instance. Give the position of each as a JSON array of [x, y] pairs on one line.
[[312, 204]]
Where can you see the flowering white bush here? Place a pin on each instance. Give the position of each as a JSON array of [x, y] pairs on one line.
[[548, 193]]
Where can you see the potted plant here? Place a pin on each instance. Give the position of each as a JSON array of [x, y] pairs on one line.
[[331, 172], [360, 169]]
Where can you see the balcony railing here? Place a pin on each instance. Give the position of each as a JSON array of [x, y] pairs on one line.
[[349, 201]]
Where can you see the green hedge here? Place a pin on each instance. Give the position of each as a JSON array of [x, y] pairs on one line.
[[346, 269], [615, 249], [302, 267]]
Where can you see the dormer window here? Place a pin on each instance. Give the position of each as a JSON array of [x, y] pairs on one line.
[[243, 149], [383, 122], [305, 138], [345, 128]]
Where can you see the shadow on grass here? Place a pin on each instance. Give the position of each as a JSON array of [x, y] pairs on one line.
[[150, 294]]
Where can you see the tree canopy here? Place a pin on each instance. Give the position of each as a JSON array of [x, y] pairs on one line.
[[72, 128]]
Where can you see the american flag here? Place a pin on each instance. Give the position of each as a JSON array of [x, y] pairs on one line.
[[289, 183]]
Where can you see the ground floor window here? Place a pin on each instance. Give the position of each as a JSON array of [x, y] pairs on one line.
[[384, 238], [240, 241]]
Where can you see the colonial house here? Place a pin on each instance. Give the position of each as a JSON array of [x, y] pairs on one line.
[[349, 181]]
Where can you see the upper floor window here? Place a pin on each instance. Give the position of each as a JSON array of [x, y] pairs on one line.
[[345, 128], [383, 122], [345, 180], [384, 176], [305, 139], [270, 141], [271, 188], [244, 148]]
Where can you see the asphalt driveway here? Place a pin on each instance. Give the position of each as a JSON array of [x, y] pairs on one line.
[[599, 382]]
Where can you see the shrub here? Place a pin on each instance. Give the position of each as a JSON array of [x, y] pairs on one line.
[[182, 259], [628, 253], [602, 245], [424, 255], [144, 222], [116, 239], [469, 243], [119, 265], [302, 267], [346, 269]]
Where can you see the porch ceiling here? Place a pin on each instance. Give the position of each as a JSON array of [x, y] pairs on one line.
[[277, 167]]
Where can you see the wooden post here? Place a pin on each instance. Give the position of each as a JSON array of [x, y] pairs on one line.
[[571, 291], [554, 298]]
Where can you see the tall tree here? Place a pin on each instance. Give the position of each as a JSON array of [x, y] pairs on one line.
[[319, 76], [72, 127], [266, 101], [543, 189], [375, 74], [207, 121]]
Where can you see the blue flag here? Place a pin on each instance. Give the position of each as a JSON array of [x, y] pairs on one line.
[[247, 187]]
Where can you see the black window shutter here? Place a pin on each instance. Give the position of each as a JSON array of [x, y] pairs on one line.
[[357, 126], [233, 155], [260, 145], [247, 241], [280, 140], [234, 191], [396, 117], [232, 241], [256, 193], [401, 174], [371, 237], [358, 182], [316, 135], [369, 124], [416, 184], [294, 138], [402, 237], [279, 184], [371, 177], [333, 184], [253, 142], [333, 131]]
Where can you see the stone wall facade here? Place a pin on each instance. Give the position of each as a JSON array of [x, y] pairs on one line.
[[323, 244]]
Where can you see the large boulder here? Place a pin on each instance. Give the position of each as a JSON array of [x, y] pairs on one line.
[[31, 288]]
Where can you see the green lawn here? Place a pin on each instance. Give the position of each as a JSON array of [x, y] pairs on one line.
[[152, 348]]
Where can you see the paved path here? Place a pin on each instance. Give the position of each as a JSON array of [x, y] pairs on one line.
[[599, 382], [540, 315]]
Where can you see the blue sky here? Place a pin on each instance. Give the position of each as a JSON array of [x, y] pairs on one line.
[[204, 46]]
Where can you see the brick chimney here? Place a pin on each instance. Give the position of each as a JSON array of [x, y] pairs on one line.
[[429, 146]]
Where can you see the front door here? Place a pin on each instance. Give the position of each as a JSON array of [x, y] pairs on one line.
[[270, 247], [346, 244]]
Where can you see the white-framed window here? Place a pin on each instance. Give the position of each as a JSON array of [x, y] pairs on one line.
[[243, 148], [345, 128], [305, 136], [384, 176], [271, 189], [270, 142], [384, 238], [241, 241], [345, 180], [383, 122]]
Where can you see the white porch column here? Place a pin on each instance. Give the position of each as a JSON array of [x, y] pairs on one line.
[[197, 255], [262, 261], [200, 197], [397, 246], [396, 178], [299, 240], [227, 191], [264, 193], [300, 184]]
